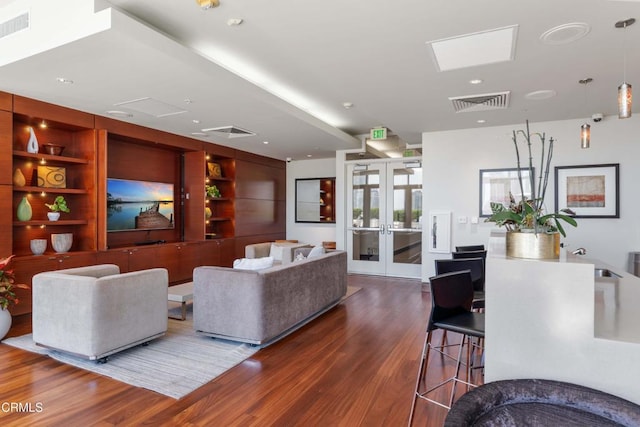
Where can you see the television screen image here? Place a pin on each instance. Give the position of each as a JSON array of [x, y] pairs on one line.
[[139, 205]]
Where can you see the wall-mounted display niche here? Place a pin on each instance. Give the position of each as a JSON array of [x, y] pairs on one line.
[[315, 200]]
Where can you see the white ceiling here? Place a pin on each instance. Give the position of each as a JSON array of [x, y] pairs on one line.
[[287, 70]]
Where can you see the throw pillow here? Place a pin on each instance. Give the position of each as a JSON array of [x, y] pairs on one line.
[[300, 256], [253, 263], [316, 251], [276, 252]]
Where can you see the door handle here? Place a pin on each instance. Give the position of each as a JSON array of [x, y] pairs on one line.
[[382, 229], [389, 229]]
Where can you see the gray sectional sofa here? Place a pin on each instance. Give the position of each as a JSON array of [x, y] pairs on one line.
[[260, 307]]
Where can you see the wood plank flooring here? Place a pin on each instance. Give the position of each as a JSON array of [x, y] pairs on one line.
[[354, 366]]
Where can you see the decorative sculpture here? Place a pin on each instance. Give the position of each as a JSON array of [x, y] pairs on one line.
[[32, 145]]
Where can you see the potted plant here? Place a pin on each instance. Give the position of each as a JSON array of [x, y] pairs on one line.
[[532, 233], [212, 191], [59, 205], [7, 295]]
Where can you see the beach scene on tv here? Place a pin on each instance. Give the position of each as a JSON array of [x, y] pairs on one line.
[[139, 205]]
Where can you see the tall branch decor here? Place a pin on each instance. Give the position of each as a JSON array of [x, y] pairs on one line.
[[527, 215]]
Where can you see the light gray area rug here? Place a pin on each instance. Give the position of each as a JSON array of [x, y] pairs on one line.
[[174, 365]]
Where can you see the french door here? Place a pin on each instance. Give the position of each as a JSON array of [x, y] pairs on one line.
[[384, 218]]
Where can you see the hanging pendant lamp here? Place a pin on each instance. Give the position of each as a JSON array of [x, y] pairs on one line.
[[625, 95], [585, 135], [585, 129]]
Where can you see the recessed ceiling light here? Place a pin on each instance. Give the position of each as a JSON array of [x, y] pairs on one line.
[[63, 80], [309, 155], [208, 4], [118, 113], [196, 121], [565, 33], [481, 121], [265, 142], [539, 95], [475, 81], [232, 22], [347, 105]]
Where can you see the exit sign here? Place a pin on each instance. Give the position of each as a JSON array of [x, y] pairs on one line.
[[379, 133]]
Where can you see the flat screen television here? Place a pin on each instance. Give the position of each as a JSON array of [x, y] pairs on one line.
[[139, 205]]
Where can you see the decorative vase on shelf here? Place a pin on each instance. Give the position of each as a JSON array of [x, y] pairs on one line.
[[53, 216], [32, 145], [38, 246], [62, 242], [5, 322], [18, 178], [533, 245], [207, 213], [24, 212]]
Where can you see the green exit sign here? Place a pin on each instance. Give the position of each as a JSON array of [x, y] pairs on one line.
[[379, 133]]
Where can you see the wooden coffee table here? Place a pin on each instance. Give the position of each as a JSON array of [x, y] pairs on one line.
[[182, 294]]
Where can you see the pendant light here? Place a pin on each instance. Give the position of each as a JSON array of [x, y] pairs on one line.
[[585, 129], [624, 90], [585, 135]]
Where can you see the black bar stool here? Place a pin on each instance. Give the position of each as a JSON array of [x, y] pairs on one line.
[[451, 298]]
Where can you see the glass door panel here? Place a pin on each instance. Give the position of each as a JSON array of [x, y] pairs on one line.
[[364, 211], [405, 225]]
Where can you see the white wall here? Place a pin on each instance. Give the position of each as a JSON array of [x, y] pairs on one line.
[[305, 232], [452, 160]]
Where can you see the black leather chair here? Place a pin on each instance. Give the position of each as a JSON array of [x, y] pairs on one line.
[[476, 266], [470, 248], [469, 254], [451, 297]]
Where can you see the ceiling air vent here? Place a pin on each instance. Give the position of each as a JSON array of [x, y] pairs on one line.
[[230, 131], [13, 25], [487, 101]]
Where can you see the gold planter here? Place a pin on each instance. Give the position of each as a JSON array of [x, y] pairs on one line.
[[532, 245]]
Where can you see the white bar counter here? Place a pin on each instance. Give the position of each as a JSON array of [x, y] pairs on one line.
[[552, 319]]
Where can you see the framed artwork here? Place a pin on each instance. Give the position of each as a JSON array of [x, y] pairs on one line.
[[591, 191], [439, 238], [52, 177], [497, 184], [214, 170]]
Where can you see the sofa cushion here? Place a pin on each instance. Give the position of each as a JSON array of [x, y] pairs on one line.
[[253, 263], [316, 251]]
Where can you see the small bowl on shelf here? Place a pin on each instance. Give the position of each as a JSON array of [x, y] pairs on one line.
[[53, 149], [61, 242], [38, 246]]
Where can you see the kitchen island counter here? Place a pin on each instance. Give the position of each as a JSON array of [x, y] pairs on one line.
[[553, 319]]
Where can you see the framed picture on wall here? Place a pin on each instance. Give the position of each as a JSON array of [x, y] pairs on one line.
[[591, 191], [497, 185]]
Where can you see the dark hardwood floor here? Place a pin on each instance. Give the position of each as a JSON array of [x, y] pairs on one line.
[[354, 366]]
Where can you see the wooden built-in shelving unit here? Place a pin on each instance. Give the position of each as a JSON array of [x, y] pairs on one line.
[[97, 148]]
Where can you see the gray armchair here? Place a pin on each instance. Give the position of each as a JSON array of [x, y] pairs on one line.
[[95, 311]]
